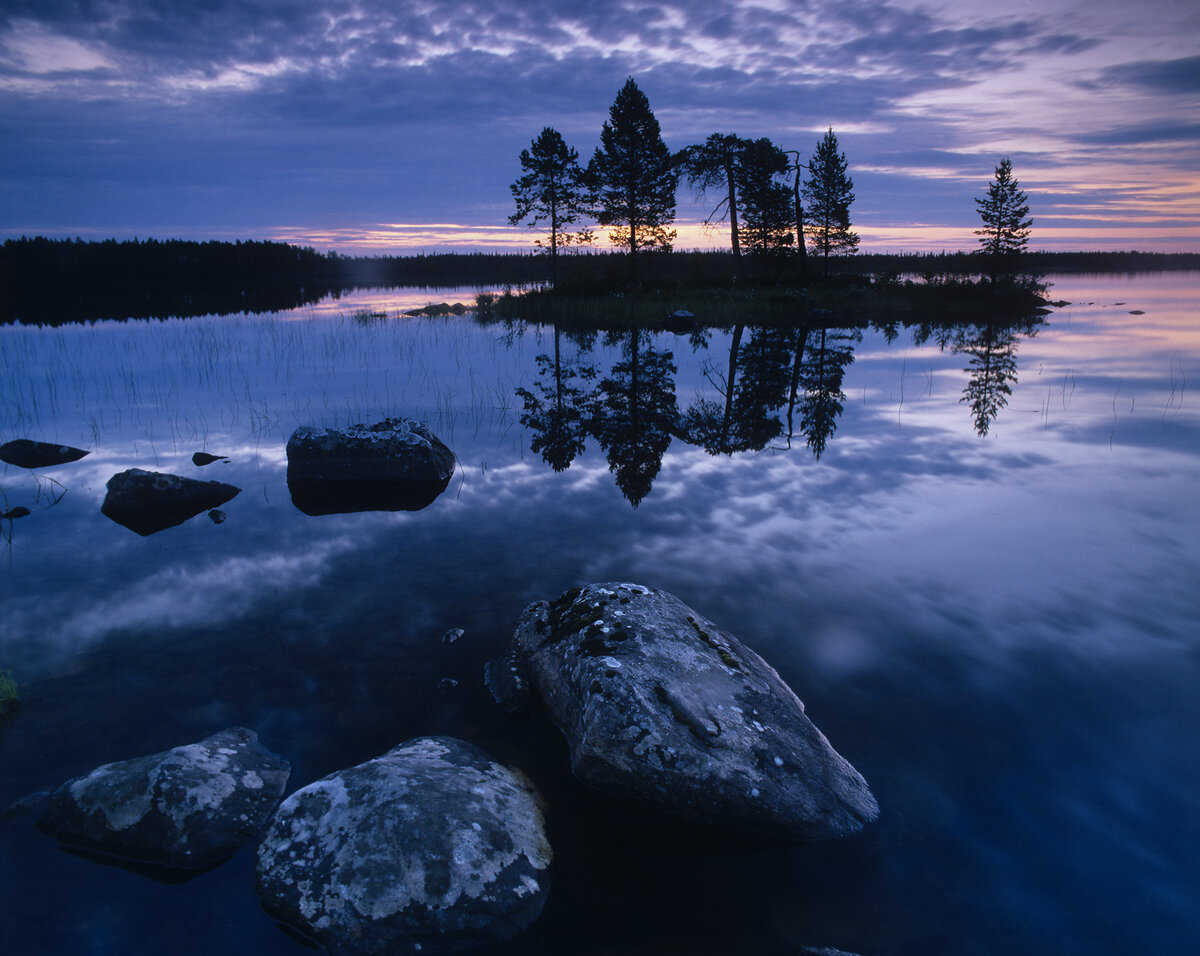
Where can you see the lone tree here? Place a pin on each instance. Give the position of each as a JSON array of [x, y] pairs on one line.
[[828, 193], [1005, 214], [634, 176], [552, 191]]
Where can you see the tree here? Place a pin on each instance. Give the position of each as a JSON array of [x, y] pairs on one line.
[[1005, 214], [634, 176], [828, 193], [552, 191], [757, 206]]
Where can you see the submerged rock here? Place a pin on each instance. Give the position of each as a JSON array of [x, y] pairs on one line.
[[394, 465], [148, 501], [190, 807], [38, 454], [660, 704], [431, 848]]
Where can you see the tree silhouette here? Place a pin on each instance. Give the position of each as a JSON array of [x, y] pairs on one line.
[[821, 371], [757, 206], [1005, 214], [634, 176], [558, 413], [634, 415], [552, 191], [828, 193], [992, 369]]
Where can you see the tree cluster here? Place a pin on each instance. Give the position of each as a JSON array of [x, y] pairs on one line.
[[629, 187]]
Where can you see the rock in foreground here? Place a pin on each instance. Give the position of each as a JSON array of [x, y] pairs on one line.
[[660, 704], [148, 501], [430, 848], [190, 807], [394, 465]]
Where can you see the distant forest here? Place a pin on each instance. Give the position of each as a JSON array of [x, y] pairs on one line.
[[51, 280]]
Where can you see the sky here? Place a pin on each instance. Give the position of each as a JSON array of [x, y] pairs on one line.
[[383, 127]]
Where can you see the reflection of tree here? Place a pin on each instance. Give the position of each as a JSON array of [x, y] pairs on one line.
[[818, 377], [992, 369], [752, 389], [634, 415], [558, 415]]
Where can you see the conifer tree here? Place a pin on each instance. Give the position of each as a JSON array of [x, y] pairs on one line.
[[1005, 214], [552, 191], [634, 176], [828, 193]]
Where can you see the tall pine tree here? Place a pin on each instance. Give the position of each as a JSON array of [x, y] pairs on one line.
[[828, 193], [634, 176], [1005, 214], [552, 191]]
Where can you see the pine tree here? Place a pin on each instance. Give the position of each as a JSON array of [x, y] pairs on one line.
[[634, 176], [1005, 214], [552, 191], [828, 194]]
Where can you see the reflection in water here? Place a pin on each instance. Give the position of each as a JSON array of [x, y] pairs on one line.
[[1029, 735]]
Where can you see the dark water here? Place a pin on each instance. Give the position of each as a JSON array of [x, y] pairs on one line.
[[999, 630]]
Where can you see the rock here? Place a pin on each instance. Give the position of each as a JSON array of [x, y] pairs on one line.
[[148, 501], [20, 511], [508, 680], [432, 847], [202, 458], [450, 635], [38, 454], [190, 807], [217, 516], [680, 322], [447, 684], [660, 704], [394, 465]]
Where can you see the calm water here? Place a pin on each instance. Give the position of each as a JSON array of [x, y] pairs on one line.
[[989, 606]]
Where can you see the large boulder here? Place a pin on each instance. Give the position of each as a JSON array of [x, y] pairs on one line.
[[394, 465], [190, 807], [659, 703], [430, 848], [149, 501], [38, 454]]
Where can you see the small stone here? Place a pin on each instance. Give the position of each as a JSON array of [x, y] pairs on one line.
[[217, 515], [452, 634], [447, 684]]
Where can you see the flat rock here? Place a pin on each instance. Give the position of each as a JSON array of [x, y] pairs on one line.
[[394, 465], [190, 807], [432, 847], [149, 501], [38, 454], [660, 704]]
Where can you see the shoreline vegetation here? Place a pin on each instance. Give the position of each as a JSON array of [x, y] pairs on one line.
[[49, 281]]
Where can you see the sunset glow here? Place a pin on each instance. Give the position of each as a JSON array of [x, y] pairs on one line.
[[367, 127]]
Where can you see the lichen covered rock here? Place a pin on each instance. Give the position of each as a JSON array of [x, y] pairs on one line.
[[659, 703], [432, 847], [394, 465], [190, 807]]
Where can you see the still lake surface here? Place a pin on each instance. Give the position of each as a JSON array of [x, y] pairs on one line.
[[1000, 630]]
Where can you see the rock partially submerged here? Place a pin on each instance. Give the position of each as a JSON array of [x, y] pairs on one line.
[[430, 848], [394, 465], [38, 454], [659, 703], [190, 807], [149, 501]]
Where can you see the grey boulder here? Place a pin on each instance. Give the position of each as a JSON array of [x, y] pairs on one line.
[[397, 464], [432, 847], [149, 501], [660, 704], [190, 807]]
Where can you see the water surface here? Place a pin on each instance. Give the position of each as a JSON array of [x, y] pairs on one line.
[[986, 599]]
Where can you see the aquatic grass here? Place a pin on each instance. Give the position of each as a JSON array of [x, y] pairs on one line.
[[10, 696]]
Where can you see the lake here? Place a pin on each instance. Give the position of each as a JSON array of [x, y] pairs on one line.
[[987, 600]]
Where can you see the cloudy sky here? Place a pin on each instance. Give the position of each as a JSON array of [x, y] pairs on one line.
[[386, 126]]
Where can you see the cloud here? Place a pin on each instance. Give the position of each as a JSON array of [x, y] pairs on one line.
[[1180, 76]]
